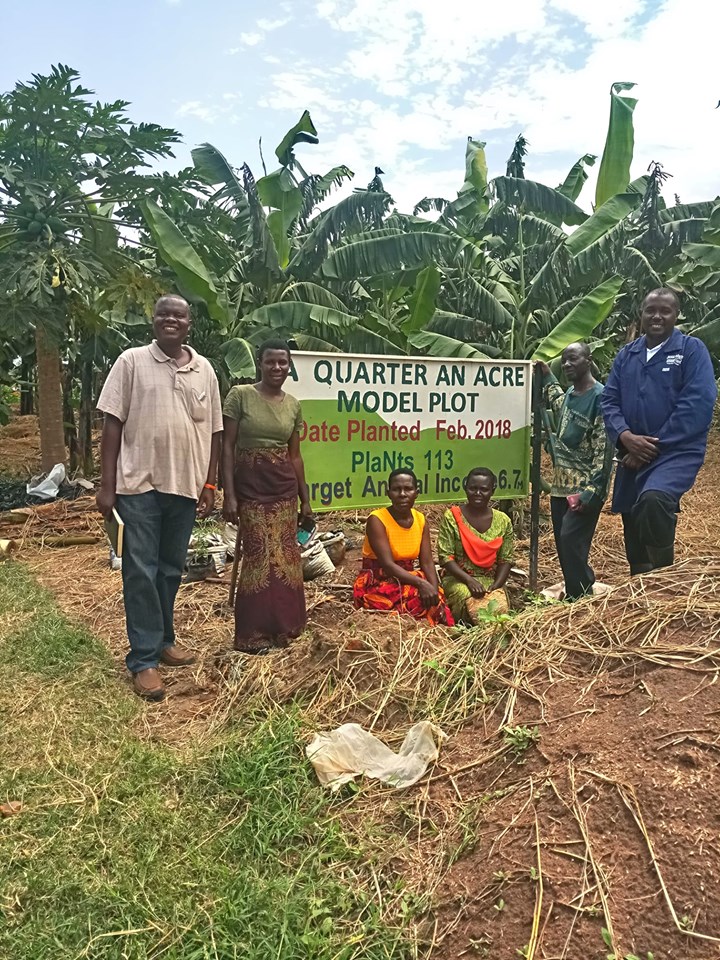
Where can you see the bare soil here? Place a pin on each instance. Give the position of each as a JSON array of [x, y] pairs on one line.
[[609, 819]]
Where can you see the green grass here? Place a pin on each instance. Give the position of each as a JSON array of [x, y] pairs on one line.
[[127, 848]]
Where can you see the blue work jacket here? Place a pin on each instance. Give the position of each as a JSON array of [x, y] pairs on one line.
[[671, 397]]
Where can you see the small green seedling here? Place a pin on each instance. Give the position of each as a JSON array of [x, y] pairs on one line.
[[519, 739], [607, 939]]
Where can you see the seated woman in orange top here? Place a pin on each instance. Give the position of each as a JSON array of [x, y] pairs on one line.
[[396, 540]]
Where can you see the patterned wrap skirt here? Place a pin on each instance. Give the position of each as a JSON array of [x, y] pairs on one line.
[[270, 598], [375, 590]]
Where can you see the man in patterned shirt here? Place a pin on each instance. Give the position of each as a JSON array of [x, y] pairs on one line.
[[582, 459]]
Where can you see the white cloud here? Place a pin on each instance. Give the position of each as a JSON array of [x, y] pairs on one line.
[[254, 37], [268, 25], [434, 72], [406, 43], [603, 20], [251, 39], [222, 108]]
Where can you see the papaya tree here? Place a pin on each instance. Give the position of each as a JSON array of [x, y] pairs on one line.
[[65, 160]]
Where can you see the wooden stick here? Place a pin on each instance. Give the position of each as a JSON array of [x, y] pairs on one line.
[[69, 540], [234, 574]]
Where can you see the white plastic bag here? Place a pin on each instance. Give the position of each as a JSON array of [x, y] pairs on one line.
[[350, 751], [315, 561], [47, 486]]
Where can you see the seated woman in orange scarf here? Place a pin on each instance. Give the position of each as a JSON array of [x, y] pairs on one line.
[[396, 540], [475, 549]]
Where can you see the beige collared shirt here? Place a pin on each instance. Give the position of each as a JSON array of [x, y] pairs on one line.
[[169, 414]]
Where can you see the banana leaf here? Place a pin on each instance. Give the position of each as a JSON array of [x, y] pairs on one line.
[[475, 299], [214, 169], [308, 292], [573, 183], [431, 344], [582, 319], [183, 259], [472, 196], [709, 333], [361, 210], [688, 211], [706, 254], [614, 173], [537, 198], [711, 233], [372, 256], [239, 358], [278, 191], [456, 326], [362, 340], [303, 132], [422, 301], [297, 316], [602, 221]]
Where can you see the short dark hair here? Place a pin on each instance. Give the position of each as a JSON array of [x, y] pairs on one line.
[[171, 296], [275, 344], [584, 348], [480, 472], [666, 292], [403, 472]]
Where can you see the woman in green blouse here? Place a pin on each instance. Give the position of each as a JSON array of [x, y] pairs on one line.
[[475, 550], [263, 476]]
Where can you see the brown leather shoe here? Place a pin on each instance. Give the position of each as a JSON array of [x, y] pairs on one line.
[[175, 656], [148, 684]]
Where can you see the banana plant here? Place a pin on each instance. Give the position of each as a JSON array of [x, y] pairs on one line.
[[278, 282]]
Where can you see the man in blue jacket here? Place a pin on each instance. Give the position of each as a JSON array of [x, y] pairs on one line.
[[658, 404]]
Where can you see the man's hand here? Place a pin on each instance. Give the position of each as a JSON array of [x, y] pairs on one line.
[[428, 593], [105, 500], [230, 509], [640, 447], [542, 367], [631, 463], [477, 590], [205, 503]]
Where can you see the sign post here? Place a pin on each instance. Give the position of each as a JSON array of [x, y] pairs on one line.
[[535, 477], [364, 416]]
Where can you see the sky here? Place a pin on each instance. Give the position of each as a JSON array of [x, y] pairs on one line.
[[398, 84]]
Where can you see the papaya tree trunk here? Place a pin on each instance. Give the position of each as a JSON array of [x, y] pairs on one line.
[[52, 441], [85, 418]]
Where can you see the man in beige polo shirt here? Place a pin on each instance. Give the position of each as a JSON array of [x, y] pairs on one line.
[[159, 449]]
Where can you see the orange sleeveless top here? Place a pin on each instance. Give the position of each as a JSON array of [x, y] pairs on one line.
[[404, 542]]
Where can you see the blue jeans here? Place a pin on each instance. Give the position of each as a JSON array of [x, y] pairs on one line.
[[157, 531]]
